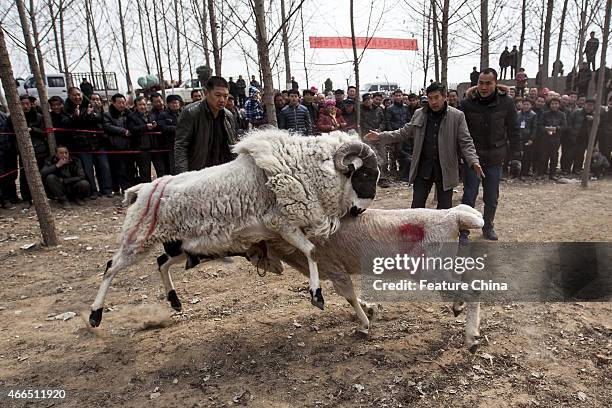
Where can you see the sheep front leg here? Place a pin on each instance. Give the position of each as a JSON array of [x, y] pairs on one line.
[[472, 326], [113, 266], [297, 239]]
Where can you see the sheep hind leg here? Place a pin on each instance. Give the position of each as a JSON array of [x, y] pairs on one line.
[[472, 326], [370, 309], [458, 307], [113, 266], [297, 239], [173, 254], [344, 287]]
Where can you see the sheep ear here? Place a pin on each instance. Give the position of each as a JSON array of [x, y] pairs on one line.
[[350, 171]]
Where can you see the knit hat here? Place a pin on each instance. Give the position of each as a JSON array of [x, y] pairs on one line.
[[253, 90], [330, 102]]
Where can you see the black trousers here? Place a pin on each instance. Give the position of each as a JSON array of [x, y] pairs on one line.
[[551, 155], [24, 188], [123, 171], [421, 189], [528, 159], [63, 191], [8, 188], [568, 151]]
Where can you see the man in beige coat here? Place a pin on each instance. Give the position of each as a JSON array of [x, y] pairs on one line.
[[441, 137]]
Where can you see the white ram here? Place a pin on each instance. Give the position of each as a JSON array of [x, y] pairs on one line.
[[280, 185]]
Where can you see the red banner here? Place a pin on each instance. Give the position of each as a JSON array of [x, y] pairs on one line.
[[375, 43]]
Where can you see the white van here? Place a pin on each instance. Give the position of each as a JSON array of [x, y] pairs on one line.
[[56, 86], [386, 88]]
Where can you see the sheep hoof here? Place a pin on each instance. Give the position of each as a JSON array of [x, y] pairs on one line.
[[474, 347], [316, 298], [362, 334], [457, 312], [473, 344], [95, 317], [174, 301]]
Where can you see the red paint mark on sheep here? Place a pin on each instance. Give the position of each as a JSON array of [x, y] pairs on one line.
[[411, 232], [143, 215], [153, 223]]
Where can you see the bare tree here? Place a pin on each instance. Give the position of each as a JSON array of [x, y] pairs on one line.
[[263, 51], [546, 46], [178, 41], [40, 85], [201, 17], [304, 47], [63, 47], [55, 36], [521, 49], [600, 89], [214, 37], [434, 16], [484, 34], [162, 82], [41, 61], [355, 67], [286, 46], [142, 41], [94, 33], [128, 79], [444, 42], [26, 150], [165, 21], [560, 41]]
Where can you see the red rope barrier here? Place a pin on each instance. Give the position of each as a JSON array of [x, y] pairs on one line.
[[8, 173], [49, 130]]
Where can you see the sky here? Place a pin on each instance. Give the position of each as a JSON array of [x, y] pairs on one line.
[[393, 19]]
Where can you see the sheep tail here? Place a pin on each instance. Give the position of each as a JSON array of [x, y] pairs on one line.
[[131, 194]]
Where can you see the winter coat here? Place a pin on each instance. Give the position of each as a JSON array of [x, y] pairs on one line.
[[295, 119], [8, 146], [528, 125], [550, 119], [493, 125], [241, 87], [70, 173], [580, 125], [37, 133], [371, 118], [454, 141], [115, 126], [167, 124], [326, 123], [396, 116], [137, 125], [193, 135], [83, 141]]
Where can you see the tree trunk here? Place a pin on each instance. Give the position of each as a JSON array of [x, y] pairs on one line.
[[55, 36], [546, 46], [519, 62], [582, 30], [128, 79], [162, 82], [178, 42], [426, 40], [164, 19], [264, 58], [600, 89], [41, 61], [94, 33], [40, 85], [43, 210], [214, 36], [356, 68], [434, 22], [142, 41], [94, 83], [62, 37], [286, 46], [304, 49], [561, 28], [484, 34], [157, 64], [186, 42], [444, 43], [541, 36]]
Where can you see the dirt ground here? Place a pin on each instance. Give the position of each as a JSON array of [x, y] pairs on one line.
[[248, 340]]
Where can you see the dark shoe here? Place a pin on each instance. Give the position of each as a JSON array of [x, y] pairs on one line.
[[6, 204], [109, 195], [65, 205], [79, 201], [464, 237], [384, 183], [489, 233], [27, 205], [553, 178], [94, 196]]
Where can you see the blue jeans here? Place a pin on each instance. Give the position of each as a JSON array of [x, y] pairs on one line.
[[100, 161], [490, 187]]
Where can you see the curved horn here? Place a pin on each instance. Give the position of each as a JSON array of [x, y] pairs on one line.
[[359, 149]]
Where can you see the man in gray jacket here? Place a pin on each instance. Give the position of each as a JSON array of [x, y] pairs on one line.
[[440, 133], [205, 130]]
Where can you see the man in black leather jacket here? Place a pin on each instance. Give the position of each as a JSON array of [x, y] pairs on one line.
[[492, 120], [205, 130]]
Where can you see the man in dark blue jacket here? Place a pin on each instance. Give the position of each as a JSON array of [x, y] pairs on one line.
[[295, 117], [492, 120]]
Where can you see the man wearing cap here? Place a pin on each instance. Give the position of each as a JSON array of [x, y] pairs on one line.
[[295, 117], [253, 109], [441, 136], [166, 122], [372, 118], [240, 124], [350, 114]]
